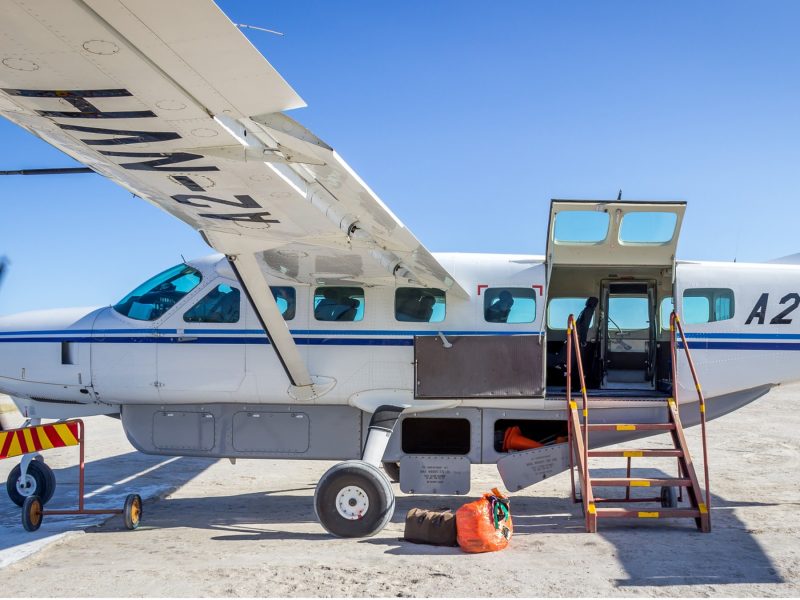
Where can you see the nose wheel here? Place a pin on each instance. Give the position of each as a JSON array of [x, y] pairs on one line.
[[38, 481]]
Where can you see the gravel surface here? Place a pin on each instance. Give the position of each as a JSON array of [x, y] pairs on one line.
[[216, 529]]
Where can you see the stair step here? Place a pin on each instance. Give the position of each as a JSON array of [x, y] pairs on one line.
[[639, 482], [627, 500], [658, 513], [630, 426], [629, 453]]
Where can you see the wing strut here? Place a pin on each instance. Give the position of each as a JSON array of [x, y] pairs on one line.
[[250, 277]]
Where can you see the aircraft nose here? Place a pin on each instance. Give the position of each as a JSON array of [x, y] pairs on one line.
[[42, 348], [12, 329]]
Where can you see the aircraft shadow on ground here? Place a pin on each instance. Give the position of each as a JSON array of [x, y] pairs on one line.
[[150, 476], [652, 552], [674, 552]]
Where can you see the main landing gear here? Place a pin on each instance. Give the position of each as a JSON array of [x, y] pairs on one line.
[[355, 498]]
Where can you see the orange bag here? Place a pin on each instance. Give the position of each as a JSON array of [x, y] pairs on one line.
[[484, 525]]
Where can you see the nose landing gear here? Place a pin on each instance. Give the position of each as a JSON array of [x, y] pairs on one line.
[[31, 477], [39, 480]]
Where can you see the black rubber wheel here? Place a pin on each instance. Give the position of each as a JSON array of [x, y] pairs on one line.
[[392, 470], [133, 511], [353, 499], [669, 497], [40, 482], [51, 481], [32, 513]]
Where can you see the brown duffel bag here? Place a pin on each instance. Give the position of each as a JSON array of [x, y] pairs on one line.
[[436, 527]]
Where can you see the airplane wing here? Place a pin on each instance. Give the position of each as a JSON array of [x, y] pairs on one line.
[[791, 259], [172, 102]]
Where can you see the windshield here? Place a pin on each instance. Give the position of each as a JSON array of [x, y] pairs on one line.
[[157, 295]]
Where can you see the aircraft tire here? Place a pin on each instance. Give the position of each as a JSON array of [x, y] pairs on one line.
[[392, 470], [50, 488], [353, 499], [32, 513], [41, 479], [132, 512]]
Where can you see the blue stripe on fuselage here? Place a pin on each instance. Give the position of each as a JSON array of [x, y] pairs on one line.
[[744, 336], [224, 336], [311, 337]]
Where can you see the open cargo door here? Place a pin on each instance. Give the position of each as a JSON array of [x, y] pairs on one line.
[[613, 233]]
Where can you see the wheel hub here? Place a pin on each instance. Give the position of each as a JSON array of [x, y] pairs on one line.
[[352, 502], [26, 486], [136, 510]]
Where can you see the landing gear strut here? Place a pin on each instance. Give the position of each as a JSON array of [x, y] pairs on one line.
[[355, 498]]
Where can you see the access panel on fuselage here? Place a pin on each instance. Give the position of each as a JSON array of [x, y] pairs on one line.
[[478, 366]]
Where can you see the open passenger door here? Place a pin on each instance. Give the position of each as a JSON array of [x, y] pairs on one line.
[[610, 263]]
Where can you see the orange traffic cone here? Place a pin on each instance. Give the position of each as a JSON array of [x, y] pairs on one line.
[[514, 440]]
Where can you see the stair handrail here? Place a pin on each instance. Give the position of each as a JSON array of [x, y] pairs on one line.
[[572, 339], [675, 327]]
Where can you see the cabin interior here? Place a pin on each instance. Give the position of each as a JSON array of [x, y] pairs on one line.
[[622, 320]]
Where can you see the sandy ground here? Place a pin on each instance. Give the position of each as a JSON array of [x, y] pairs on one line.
[[249, 530]]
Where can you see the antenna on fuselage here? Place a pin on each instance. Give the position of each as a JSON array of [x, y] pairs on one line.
[[619, 196]]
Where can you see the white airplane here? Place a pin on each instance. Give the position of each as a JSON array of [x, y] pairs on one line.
[[324, 321]]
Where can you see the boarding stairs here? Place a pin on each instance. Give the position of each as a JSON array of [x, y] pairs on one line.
[[579, 427]]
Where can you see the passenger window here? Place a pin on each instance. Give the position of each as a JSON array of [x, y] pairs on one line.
[[220, 305], [509, 305], [559, 309], [420, 305], [706, 305], [157, 295], [286, 298], [339, 304]]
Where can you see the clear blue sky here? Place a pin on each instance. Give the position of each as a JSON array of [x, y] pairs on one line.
[[466, 118]]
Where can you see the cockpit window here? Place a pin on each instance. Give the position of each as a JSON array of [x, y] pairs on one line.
[[157, 295], [220, 305]]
